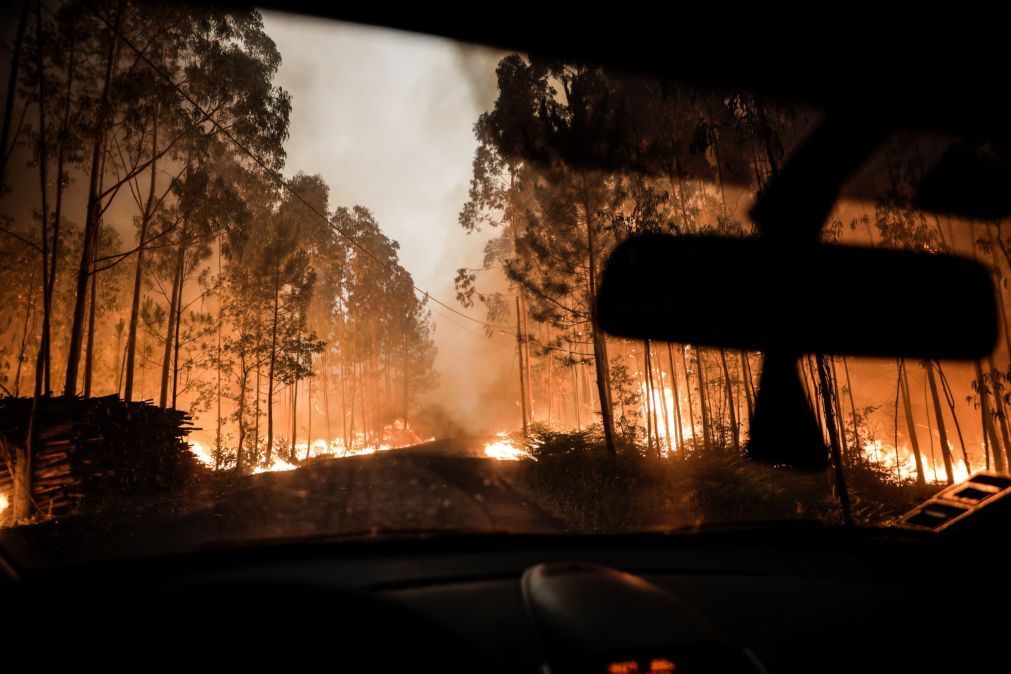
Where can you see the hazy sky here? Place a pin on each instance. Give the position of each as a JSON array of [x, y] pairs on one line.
[[387, 119]]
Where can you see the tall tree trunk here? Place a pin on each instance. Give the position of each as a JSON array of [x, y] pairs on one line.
[[907, 405], [175, 299], [653, 396], [387, 382], [735, 429], [43, 158], [256, 412], [12, 87], [666, 415], [326, 396], [526, 356], [707, 437], [377, 422], [647, 382], [122, 370], [219, 449], [406, 379], [522, 371], [575, 393], [840, 417], [842, 493], [676, 397], [599, 340], [89, 361], [954, 416], [273, 360], [749, 389], [811, 385], [60, 182], [688, 388], [241, 411], [895, 429], [343, 381], [308, 411], [179, 323], [94, 211], [294, 417], [853, 406], [548, 358], [930, 431], [145, 222], [941, 431], [354, 374], [988, 430]]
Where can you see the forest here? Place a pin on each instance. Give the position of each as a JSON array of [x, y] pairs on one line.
[[152, 249], [236, 293], [572, 159]]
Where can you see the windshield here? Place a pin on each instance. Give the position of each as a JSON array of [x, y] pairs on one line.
[[269, 276]]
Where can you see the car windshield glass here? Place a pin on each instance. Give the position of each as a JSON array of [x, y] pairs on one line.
[[267, 276]]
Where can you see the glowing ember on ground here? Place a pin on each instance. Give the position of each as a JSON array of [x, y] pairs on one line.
[[395, 435], [275, 466], [505, 449]]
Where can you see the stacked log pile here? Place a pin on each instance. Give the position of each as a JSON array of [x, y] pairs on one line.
[[93, 451]]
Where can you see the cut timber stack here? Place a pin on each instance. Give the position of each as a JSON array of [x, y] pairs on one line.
[[92, 452]]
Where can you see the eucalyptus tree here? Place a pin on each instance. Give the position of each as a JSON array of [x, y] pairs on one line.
[[174, 78], [206, 203], [289, 277], [554, 115]]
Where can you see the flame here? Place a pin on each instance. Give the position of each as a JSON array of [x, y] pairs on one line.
[[902, 468], [504, 449], [202, 453], [399, 433], [4, 503], [660, 400], [278, 465], [902, 464]]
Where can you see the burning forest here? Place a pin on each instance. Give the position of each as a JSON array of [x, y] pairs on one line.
[[182, 304]]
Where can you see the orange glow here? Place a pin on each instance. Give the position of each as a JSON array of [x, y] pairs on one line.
[[276, 466], [623, 667], [504, 449], [661, 665], [3, 503], [399, 433], [660, 400], [902, 464], [202, 453]]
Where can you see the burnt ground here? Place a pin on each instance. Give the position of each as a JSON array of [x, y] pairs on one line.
[[434, 486]]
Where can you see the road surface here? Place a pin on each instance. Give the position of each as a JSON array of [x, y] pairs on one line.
[[407, 489], [434, 486]]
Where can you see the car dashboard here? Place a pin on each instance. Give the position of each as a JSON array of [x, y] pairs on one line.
[[777, 600]]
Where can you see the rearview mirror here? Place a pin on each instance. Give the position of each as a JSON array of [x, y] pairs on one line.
[[755, 295]]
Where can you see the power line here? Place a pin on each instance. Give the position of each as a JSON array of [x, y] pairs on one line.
[[511, 336]]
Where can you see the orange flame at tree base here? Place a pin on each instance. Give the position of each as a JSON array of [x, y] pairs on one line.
[[504, 449]]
